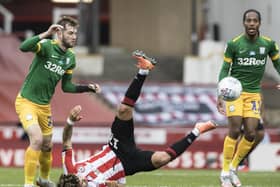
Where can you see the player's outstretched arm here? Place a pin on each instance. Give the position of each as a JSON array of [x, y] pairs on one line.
[[69, 87], [68, 128]]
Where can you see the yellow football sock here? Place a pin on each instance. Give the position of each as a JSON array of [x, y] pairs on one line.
[[31, 159], [243, 148], [228, 152], [45, 160]]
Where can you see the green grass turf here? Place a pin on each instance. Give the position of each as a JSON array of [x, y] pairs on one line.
[[13, 177]]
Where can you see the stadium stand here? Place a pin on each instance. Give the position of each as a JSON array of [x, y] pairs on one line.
[[169, 104]]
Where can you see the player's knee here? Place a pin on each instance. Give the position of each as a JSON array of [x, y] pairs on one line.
[[123, 109], [234, 133], [160, 159], [124, 112], [260, 134], [36, 141], [250, 135], [47, 146]]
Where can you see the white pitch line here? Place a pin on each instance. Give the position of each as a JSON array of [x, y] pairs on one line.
[[178, 174]]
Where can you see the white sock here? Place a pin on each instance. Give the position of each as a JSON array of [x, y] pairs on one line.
[[28, 185], [44, 180], [224, 173], [196, 132], [143, 71], [232, 168]]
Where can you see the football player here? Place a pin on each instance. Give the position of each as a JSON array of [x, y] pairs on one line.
[[121, 156]]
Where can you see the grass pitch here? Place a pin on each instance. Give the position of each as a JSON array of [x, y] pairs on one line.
[[13, 177]]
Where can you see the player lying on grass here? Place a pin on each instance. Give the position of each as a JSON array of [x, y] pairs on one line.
[[120, 157]]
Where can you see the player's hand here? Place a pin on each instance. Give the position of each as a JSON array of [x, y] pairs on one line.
[[278, 86], [220, 106], [54, 28], [111, 183], [75, 113], [95, 88]]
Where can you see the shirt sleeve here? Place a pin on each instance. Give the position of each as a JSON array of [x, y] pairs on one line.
[[67, 85], [34, 44], [228, 58], [274, 56], [274, 52], [30, 44]]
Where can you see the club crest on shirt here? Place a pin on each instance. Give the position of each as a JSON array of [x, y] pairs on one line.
[[231, 108], [262, 50]]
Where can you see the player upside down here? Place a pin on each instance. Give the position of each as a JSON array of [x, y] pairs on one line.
[[121, 156]]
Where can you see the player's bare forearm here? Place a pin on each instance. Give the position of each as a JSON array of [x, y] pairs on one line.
[[66, 137], [68, 128]]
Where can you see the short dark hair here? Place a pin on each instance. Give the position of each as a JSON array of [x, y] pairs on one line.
[[69, 180], [64, 20], [252, 10]]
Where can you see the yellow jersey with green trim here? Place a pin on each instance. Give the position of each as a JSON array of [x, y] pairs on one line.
[[48, 67], [248, 58]]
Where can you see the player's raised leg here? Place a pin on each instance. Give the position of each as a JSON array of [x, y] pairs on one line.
[[145, 64]]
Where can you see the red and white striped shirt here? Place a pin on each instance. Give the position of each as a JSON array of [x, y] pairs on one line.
[[100, 167]]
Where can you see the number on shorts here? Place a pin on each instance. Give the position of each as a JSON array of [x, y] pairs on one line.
[[255, 106], [114, 142]]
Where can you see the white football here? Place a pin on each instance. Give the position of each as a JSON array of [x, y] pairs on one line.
[[229, 88]]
